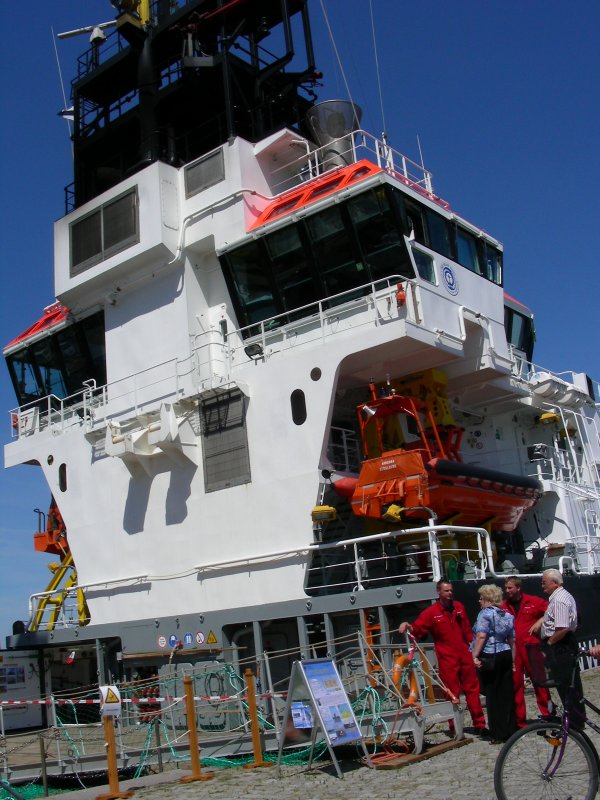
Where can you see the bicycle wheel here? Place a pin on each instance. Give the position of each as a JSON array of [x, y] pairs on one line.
[[524, 768]]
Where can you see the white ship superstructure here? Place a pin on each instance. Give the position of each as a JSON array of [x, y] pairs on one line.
[[224, 303]]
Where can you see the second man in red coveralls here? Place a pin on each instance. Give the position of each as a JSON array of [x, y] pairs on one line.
[[527, 610], [447, 623]]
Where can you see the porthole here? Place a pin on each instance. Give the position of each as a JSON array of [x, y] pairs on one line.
[[315, 374], [62, 477], [50, 460], [298, 402]]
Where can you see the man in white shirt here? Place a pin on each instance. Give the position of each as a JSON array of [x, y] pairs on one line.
[[557, 631]]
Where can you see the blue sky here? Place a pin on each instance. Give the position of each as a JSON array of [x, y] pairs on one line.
[[502, 95]]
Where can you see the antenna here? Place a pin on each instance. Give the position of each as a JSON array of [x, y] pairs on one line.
[[337, 55], [420, 153], [97, 38], [384, 135], [88, 29]]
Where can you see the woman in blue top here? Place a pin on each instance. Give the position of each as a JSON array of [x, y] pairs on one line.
[[494, 642]]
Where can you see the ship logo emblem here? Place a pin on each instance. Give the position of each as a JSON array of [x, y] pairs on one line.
[[450, 279]]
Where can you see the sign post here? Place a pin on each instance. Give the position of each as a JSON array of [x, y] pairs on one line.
[[110, 707], [317, 699]]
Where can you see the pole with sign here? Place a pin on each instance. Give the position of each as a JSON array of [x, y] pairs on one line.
[[110, 708]]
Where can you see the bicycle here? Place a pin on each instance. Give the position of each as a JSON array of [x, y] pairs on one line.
[[549, 759]]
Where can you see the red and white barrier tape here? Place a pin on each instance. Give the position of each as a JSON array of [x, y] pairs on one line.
[[135, 700]]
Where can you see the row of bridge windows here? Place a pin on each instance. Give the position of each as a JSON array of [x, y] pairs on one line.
[[344, 246]]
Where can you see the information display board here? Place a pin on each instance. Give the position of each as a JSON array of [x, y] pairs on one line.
[[331, 702], [317, 700]]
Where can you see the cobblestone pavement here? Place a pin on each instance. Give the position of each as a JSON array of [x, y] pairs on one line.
[[464, 772]]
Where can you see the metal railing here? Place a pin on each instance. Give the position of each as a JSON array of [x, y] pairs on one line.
[[369, 304], [349, 149], [127, 397]]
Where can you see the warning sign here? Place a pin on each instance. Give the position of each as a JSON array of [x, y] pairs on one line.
[[162, 641], [110, 701], [212, 639], [112, 695], [200, 637]]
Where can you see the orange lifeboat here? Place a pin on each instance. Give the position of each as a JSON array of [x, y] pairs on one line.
[[427, 474]]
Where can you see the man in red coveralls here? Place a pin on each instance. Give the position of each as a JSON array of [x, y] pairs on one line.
[[447, 622], [527, 610]]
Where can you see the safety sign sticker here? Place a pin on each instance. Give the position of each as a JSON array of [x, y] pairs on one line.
[[162, 641], [200, 637], [212, 639], [110, 699]]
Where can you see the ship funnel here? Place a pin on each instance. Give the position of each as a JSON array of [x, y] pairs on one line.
[[332, 123]]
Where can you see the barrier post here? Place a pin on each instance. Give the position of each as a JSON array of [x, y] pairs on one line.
[[55, 720], [197, 774], [254, 726], [111, 758], [43, 763]]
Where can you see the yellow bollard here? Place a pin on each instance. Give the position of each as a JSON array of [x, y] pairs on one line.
[[111, 758], [254, 728], [197, 774]]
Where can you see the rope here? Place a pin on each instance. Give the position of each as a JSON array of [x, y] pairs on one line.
[[384, 128], [335, 50]]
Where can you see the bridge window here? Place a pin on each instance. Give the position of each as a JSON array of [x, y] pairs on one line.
[[492, 260], [378, 234], [467, 251], [414, 218], [335, 252], [331, 252], [293, 276], [425, 265], [47, 361], [432, 229], [25, 376], [60, 362], [520, 331], [439, 234], [252, 286]]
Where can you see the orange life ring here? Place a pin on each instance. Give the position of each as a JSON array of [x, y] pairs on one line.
[[401, 663]]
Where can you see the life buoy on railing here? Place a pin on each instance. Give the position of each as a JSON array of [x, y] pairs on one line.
[[400, 295], [401, 664]]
